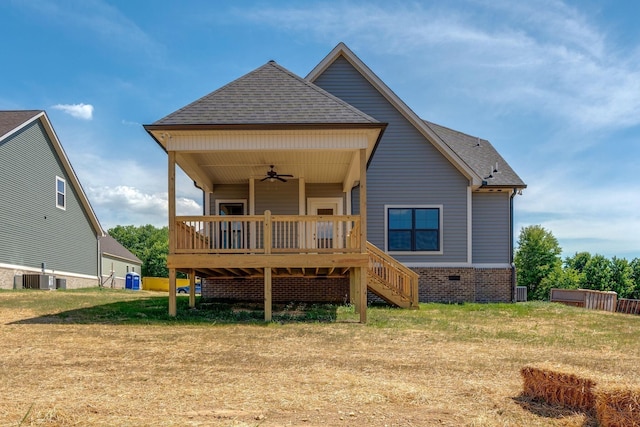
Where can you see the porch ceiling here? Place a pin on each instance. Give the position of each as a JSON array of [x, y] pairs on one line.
[[224, 167]]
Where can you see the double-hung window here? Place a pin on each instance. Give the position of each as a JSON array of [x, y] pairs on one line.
[[61, 193], [414, 229]]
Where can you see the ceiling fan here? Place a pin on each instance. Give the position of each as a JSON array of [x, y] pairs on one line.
[[273, 175]]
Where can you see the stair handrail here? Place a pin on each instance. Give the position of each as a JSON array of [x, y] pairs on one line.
[[393, 273]]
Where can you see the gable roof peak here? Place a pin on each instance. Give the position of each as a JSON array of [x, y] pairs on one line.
[[268, 95]]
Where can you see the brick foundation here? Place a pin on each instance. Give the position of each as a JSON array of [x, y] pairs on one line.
[[443, 285], [283, 289], [458, 285]]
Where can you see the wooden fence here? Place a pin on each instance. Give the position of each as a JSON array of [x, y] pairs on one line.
[[595, 300], [628, 306]]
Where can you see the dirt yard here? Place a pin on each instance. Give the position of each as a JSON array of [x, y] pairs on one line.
[[55, 371]]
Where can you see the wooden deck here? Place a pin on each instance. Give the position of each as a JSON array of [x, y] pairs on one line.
[[289, 246], [244, 246]]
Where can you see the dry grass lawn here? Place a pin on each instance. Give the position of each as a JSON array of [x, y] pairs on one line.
[[62, 363]]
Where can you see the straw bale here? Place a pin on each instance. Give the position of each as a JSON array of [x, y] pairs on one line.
[[618, 407], [559, 387]]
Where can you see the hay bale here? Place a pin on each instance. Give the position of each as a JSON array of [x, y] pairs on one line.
[[618, 407], [559, 387]]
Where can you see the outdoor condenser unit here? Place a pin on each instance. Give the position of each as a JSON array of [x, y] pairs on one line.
[[38, 281]]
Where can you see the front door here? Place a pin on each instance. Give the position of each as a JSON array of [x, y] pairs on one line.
[[231, 234], [325, 234]]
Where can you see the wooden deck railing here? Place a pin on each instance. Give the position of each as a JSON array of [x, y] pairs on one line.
[[265, 234], [394, 274]]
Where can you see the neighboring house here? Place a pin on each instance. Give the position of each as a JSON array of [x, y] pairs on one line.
[[117, 261], [367, 189], [46, 222]]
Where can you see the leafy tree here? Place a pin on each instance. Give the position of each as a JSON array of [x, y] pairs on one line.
[[537, 257], [634, 265], [621, 280], [148, 243], [597, 274], [578, 261], [563, 278]]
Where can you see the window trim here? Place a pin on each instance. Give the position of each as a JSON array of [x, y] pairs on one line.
[[440, 208], [64, 193]]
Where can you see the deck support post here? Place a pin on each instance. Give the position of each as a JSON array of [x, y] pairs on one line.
[[352, 287], [363, 294], [354, 278], [362, 284], [192, 288], [172, 293], [267, 295], [172, 222]]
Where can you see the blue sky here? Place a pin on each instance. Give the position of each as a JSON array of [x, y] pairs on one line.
[[554, 85]]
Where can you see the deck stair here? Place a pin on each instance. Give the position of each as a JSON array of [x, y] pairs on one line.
[[391, 280]]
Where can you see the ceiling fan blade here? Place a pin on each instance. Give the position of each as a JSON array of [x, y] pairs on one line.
[[288, 176], [264, 179], [280, 179]]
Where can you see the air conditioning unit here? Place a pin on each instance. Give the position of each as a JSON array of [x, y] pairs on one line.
[[38, 281]]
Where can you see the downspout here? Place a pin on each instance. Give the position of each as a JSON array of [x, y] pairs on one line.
[[511, 241]]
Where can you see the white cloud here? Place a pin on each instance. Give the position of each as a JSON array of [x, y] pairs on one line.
[[581, 216], [547, 59], [123, 205], [79, 111]]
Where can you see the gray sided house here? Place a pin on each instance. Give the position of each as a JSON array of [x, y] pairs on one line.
[[371, 200], [46, 222], [460, 183], [116, 261]]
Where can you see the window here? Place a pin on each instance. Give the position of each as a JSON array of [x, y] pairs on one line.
[[61, 193], [413, 229]]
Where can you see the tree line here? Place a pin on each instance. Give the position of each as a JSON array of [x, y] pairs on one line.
[[538, 261], [539, 267], [148, 243]]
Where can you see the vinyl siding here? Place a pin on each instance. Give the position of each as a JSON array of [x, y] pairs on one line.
[[326, 190], [405, 170], [491, 225], [119, 267], [229, 192], [281, 198], [32, 229]]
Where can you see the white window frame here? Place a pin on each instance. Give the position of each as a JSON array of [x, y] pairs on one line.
[[243, 202], [64, 193], [440, 229]]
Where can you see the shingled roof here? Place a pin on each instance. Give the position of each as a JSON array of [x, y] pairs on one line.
[[110, 246], [480, 156], [9, 120], [268, 95]]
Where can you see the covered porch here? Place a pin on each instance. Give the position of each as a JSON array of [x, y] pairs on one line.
[[299, 224], [276, 158]]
